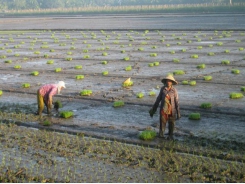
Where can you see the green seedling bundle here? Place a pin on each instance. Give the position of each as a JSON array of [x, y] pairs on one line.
[[26, 85], [105, 73], [201, 66], [1, 92], [78, 67], [147, 135], [17, 67], [179, 72], [79, 77], [208, 78], [66, 114], [194, 116], [243, 88], [58, 70], [119, 103], [235, 71], [140, 95], [235, 95], [206, 105], [50, 62], [86, 92], [35, 73], [225, 62]]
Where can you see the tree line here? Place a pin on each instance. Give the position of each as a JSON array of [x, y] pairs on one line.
[[49, 4]]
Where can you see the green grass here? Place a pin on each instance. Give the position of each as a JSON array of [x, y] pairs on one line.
[[119, 103], [66, 114], [147, 135], [234, 95], [194, 116], [79, 77], [206, 105], [86, 92]]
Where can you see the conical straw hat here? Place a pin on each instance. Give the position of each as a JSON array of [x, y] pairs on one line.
[[169, 77], [127, 81]]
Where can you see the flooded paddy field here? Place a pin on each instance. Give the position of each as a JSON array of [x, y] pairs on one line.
[[152, 54]]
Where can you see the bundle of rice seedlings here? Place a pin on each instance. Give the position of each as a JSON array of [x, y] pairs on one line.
[[104, 62], [123, 51], [183, 50], [17, 67], [211, 54], [105, 73], [104, 54], [199, 47], [26, 85], [140, 95], [152, 93], [225, 62], [206, 105], [50, 62], [66, 114], [201, 66], [210, 45], [58, 70], [241, 49], [51, 50], [156, 63], [194, 116], [86, 92], [1, 92], [85, 50], [119, 103], [154, 47], [45, 55], [153, 54], [140, 49], [194, 56], [151, 64], [243, 88], [17, 55], [234, 95], [235, 71], [175, 60], [179, 72], [3, 57], [128, 68], [238, 41], [126, 58], [185, 82], [219, 43], [189, 41], [8, 61], [207, 78], [35, 73], [69, 59], [37, 52], [78, 77], [78, 67], [147, 135], [128, 82], [172, 52], [57, 105], [46, 123], [168, 45], [192, 83]]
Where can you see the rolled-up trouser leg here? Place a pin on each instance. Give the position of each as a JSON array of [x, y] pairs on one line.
[[40, 103], [162, 126], [49, 107], [171, 124]]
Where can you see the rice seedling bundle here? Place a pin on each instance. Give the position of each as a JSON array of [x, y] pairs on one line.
[[123, 51], [152, 93], [3, 57], [199, 40], [235, 71], [201, 66], [37, 52], [69, 53], [189, 41], [140, 49], [69, 59], [9, 51], [66, 114], [179, 72], [50, 62], [51, 50], [153, 54], [227, 51], [58, 70], [238, 41], [104, 54], [35, 73], [86, 92], [175, 60], [199, 47], [44, 47], [210, 45], [154, 47], [206, 105], [207, 78], [140, 95], [168, 45], [211, 54], [79, 77], [17, 46], [26, 85], [151, 64], [1, 92], [45, 55], [143, 43], [219, 43], [127, 84], [86, 56], [77, 67], [85, 50], [104, 62], [172, 52], [156, 63], [243, 88], [2, 48], [58, 104], [8, 61], [119, 103], [46, 123], [192, 83], [185, 82], [105, 73], [179, 43], [17, 67], [194, 56], [234, 95], [126, 58], [241, 49], [195, 116], [128, 68], [225, 62], [147, 135]]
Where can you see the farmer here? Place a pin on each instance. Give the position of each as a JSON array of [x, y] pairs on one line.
[[45, 94], [169, 108]]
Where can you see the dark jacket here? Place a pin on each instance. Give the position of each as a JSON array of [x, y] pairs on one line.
[[174, 101]]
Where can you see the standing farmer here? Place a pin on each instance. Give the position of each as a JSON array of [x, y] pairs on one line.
[[169, 108], [45, 94]]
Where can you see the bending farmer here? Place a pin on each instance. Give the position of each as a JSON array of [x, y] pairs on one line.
[[45, 94], [169, 107]]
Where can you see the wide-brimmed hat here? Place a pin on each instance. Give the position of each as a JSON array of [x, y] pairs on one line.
[[169, 77], [61, 84]]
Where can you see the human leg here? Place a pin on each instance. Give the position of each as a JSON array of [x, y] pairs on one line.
[[162, 125], [171, 125], [40, 103]]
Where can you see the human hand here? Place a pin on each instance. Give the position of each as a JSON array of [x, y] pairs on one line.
[[151, 112]]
